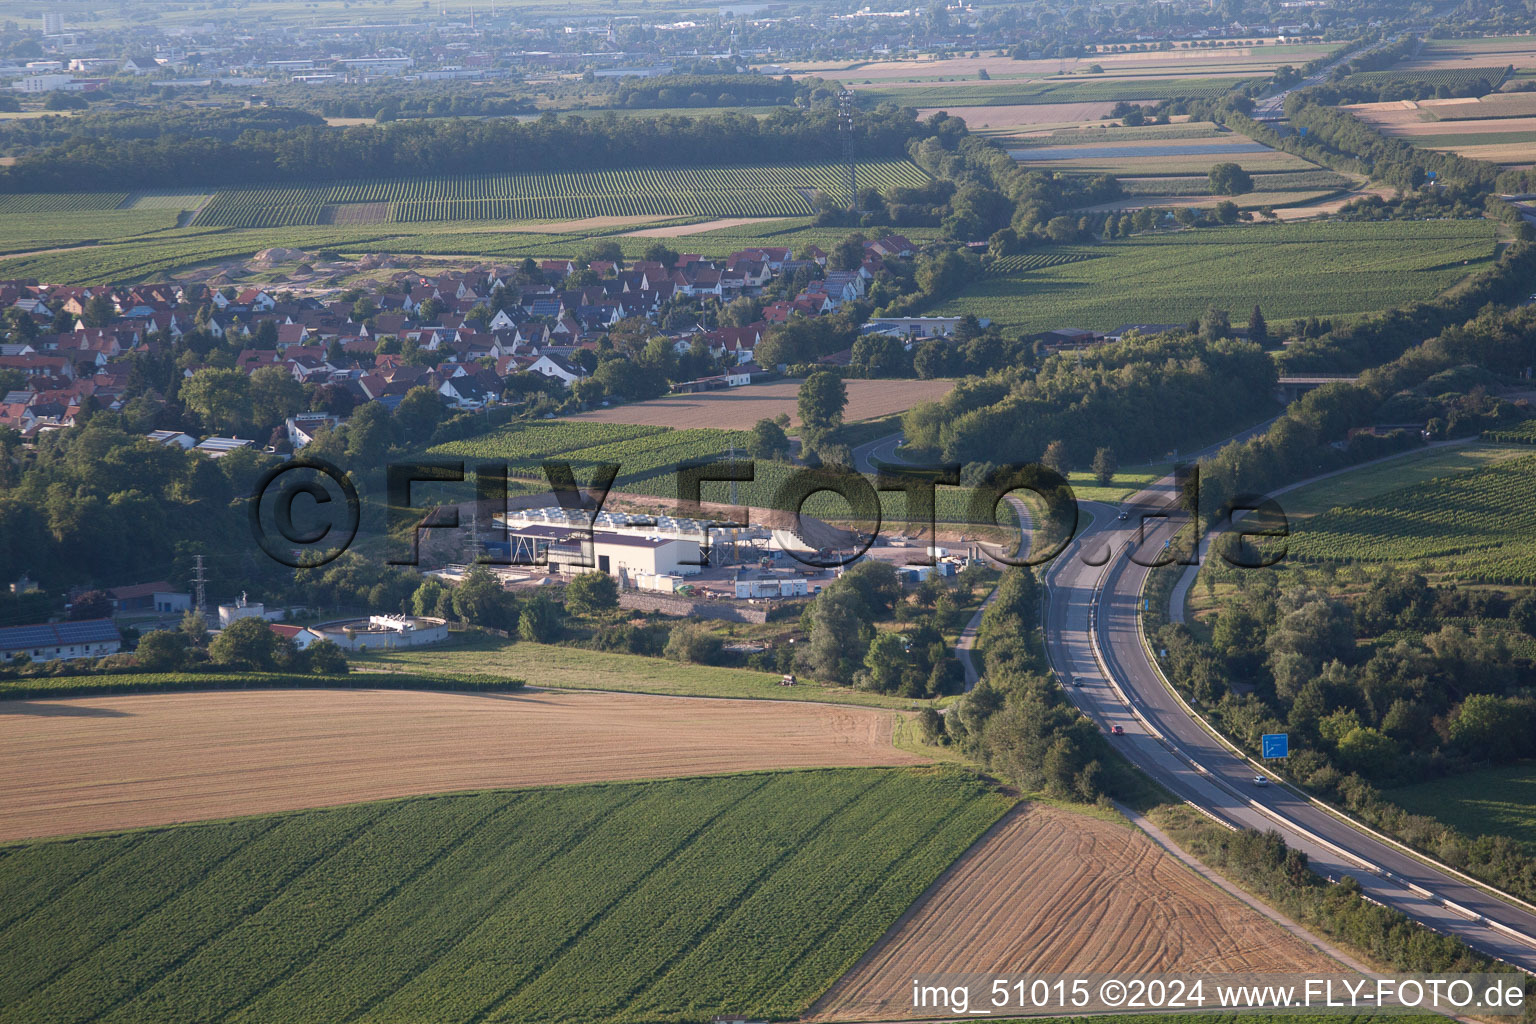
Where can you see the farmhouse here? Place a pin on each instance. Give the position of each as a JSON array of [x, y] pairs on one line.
[[148, 598], [60, 641]]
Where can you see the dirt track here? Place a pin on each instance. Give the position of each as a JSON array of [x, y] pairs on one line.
[[1050, 891], [95, 763]]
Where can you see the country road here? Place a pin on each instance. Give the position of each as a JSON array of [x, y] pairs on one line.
[[1093, 633]]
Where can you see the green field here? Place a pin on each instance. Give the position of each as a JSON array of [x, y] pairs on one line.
[[1152, 157], [27, 232], [1469, 139], [1451, 78], [1495, 801], [1294, 270], [1075, 90], [1474, 525], [764, 191], [648, 458], [657, 901], [576, 668], [60, 202], [157, 255], [1368, 482], [1200, 184]]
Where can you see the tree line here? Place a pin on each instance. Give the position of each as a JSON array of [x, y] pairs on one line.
[[310, 153], [1141, 396]]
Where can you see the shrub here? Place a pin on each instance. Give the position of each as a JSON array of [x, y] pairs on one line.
[[693, 642]]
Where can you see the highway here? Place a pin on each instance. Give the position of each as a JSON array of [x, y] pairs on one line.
[[1093, 636]]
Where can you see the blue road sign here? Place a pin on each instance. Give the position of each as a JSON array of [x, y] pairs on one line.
[[1303, 130], [1277, 744]]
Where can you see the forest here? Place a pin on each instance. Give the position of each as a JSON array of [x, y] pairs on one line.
[[310, 153]]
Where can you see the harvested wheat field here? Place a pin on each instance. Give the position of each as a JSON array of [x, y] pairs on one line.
[[739, 408], [1048, 890], [696, 227], [95, 763]]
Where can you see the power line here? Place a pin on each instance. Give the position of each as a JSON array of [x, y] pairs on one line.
[[845, 117], [198, 579]]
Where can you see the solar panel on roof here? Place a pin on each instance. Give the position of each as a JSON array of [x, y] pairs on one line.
[[26, 636]]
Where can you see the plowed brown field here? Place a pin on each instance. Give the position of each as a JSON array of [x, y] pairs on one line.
[[94, 763], [1052, 891], [739, 408]]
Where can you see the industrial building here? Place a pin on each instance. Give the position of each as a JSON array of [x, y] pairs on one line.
[[568, 550], [382, 631]]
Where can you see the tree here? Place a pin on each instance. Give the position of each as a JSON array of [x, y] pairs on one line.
[[1057, 457], [884, 663], [1495, 728], [693, 642], [419, 413], [247, 643], [931, 360], [326, 659], [93, 604], [99, 310], [592, 592], [194, 626], [823, 397], [540, 620], [369, 432], [432, 599], [1258, 329], [1104, 466], [605, 252], [847, 254], [1368, 751], [875, 585], [741, 311], [1061, 229], [162, 650], [275, 395], [480, 599], [1214, 324], [657, 252], [879, 355], [221, 397], [1229, 179], [838, 636], [768, 441]]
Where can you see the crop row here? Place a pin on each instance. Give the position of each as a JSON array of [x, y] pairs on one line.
[[1200, 185], [60, 202], [1525, 433], [1025, 262], [1096, 133], [763, 191], [1451, 78], [658, 901], [735, 203], [1481, 517], [527, 444], [1326, 269]]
